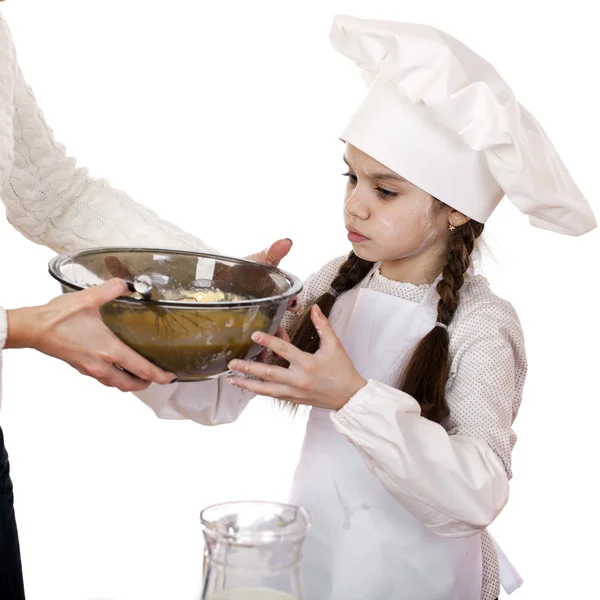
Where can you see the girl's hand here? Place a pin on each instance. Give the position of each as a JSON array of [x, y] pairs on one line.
[[326, 379], [70, 328], [281, 333]]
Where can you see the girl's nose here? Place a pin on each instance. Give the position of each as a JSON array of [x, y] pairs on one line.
[[356, 204]]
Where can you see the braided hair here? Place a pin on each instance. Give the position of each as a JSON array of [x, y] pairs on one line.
[[427, 371], [303, 334]]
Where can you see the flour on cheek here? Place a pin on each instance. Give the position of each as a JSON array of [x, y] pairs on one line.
[[405, 227]]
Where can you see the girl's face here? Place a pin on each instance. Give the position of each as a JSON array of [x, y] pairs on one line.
[[388, 218]]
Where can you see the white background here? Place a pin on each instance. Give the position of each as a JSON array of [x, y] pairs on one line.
[[224, 117]]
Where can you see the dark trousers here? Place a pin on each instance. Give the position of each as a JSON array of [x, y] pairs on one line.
[[11, 575]]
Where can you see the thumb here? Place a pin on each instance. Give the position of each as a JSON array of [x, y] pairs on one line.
[[111, 289], [323, 327], [276, 252]]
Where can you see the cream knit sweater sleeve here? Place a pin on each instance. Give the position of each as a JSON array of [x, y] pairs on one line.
[[52, 201]]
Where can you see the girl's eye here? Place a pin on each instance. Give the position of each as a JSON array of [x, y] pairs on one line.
[[352, 179], [383, 193]]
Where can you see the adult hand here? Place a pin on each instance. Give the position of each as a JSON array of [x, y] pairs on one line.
[[326, 379], [271, 257], [70, 328], [274, 254]]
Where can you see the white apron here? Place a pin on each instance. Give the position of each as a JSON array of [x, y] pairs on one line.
[[363, 544]]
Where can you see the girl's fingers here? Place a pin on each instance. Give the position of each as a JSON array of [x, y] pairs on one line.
[[280, 333], [281, 347], [262, 388], [266, 372]]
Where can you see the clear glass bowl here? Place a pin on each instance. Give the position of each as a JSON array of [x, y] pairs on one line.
[[194, 340]]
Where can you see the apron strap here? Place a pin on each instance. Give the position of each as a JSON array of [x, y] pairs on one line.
[[509, 577]]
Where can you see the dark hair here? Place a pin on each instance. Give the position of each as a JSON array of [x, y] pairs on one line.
[[427, 371]]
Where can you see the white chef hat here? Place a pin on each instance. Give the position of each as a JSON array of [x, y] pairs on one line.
[[439, 115]]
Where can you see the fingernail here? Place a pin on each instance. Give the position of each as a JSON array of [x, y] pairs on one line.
[[231, 381], [232, 365], [318, 310], [256, 337], [289, 240]]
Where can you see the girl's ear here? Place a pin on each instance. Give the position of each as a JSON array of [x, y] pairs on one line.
[[456, 218]]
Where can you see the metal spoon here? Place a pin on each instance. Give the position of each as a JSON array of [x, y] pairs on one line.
[[142, 284]]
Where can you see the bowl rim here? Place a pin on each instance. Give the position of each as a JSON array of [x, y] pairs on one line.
[[57, 262]]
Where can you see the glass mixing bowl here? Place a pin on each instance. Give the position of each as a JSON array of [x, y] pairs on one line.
[[195, 340]]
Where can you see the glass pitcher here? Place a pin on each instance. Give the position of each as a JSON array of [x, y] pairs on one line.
[[253, 551]]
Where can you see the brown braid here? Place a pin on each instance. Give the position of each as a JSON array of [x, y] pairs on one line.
[[303, 334], [427, 372]]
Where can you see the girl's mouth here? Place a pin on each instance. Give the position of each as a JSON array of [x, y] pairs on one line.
[[355, 237]]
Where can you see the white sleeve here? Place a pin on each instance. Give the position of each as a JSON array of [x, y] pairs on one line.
[[52, 202], [452, 479], [211, 402], [3, 328]]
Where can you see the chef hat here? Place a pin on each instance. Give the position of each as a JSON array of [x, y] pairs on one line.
[[439, 115]]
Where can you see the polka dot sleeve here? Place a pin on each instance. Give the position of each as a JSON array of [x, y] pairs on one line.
[[488, 367]]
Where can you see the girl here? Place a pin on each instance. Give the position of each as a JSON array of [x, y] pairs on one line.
[[413, 367]]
